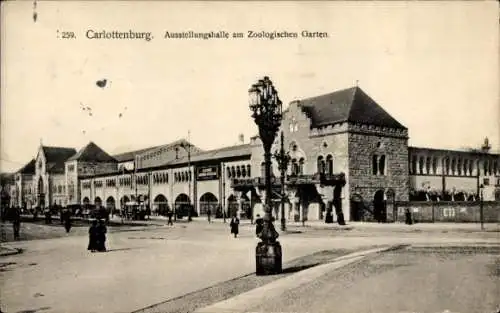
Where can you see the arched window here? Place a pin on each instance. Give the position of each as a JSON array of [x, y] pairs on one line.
[[228, 171], [301, 166], [381, 165], [248, 171], [329, 164], [238, 171], [466, 163], [413, 169], [233, 172], [428, 165], [447, 165], [459, 166], [434, 165], [243, 171], [421, 165], [166, 177], [321, 165], [263, 169], [374, 164], [453, 166]]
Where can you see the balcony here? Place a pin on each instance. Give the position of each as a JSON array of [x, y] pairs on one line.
[[292, 180]]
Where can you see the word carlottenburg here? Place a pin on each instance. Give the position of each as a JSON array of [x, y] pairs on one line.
[[103, 34]]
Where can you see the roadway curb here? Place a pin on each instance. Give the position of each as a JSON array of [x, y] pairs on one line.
[[244, 301], [10, 251]]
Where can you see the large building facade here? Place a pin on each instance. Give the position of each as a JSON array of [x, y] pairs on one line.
[[347, 153]]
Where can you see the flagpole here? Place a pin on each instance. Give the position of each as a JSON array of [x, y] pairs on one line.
[[190, 177]]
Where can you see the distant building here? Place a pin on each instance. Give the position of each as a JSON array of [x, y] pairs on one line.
[[341, 136]]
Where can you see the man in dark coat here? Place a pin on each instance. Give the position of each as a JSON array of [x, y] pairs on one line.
[[93, 237], [170, 214], [16, 222], [209, 215], [234, 224]]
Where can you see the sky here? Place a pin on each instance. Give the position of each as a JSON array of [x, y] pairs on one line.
[[432, 65]]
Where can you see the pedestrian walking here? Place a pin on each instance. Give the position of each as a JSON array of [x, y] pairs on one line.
[[46, 213], [67, 220], [209, 215], [259, 222], [16, 222], [170, 214], [101, 236], [234, 224], [92, 247], [408, 220]]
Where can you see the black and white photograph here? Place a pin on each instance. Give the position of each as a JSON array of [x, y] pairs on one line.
[[250, 156]]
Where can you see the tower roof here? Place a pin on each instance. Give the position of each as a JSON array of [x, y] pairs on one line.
[[92, 153], [347, 105]]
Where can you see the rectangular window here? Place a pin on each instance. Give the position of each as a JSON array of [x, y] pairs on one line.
[[486, 181]]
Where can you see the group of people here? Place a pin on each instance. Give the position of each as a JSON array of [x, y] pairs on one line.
[[235, 223], [97, 236]]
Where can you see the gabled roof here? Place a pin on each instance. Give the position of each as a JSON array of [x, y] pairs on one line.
[[130, 156], [92, 153], [347, 105], [221, 153], [29, 168], [55, 158], [57, 154]]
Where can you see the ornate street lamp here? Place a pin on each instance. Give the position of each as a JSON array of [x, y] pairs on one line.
[[266, 110], [283, 160]]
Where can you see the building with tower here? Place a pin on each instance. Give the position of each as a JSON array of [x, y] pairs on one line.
[[347, 153]]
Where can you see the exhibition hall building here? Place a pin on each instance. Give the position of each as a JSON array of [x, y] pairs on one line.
[[346, 153]]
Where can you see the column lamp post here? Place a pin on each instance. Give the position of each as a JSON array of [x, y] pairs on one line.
[[266, 110], [283, 160], [481, 213]]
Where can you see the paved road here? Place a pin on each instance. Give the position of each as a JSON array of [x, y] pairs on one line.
[[153, 265], [419, 280]]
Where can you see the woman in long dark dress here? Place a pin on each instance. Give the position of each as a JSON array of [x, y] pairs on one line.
[[235, 222], [93, 237], [101, 236], [67, 220]]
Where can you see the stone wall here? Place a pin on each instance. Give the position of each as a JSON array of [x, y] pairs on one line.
[[448, 211], [363, 144]]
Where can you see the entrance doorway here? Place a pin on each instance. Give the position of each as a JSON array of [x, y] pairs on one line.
[[356, 208], [379, 207], [208, 201]]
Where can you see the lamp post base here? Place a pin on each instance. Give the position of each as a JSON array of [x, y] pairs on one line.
[[268, 258]]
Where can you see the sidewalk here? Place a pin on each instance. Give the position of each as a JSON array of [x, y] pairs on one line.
[[285, 293], [319, 224], [245, 301]]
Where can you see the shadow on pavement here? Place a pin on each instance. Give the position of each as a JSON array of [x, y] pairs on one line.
[[295, 269], [34, 310]]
